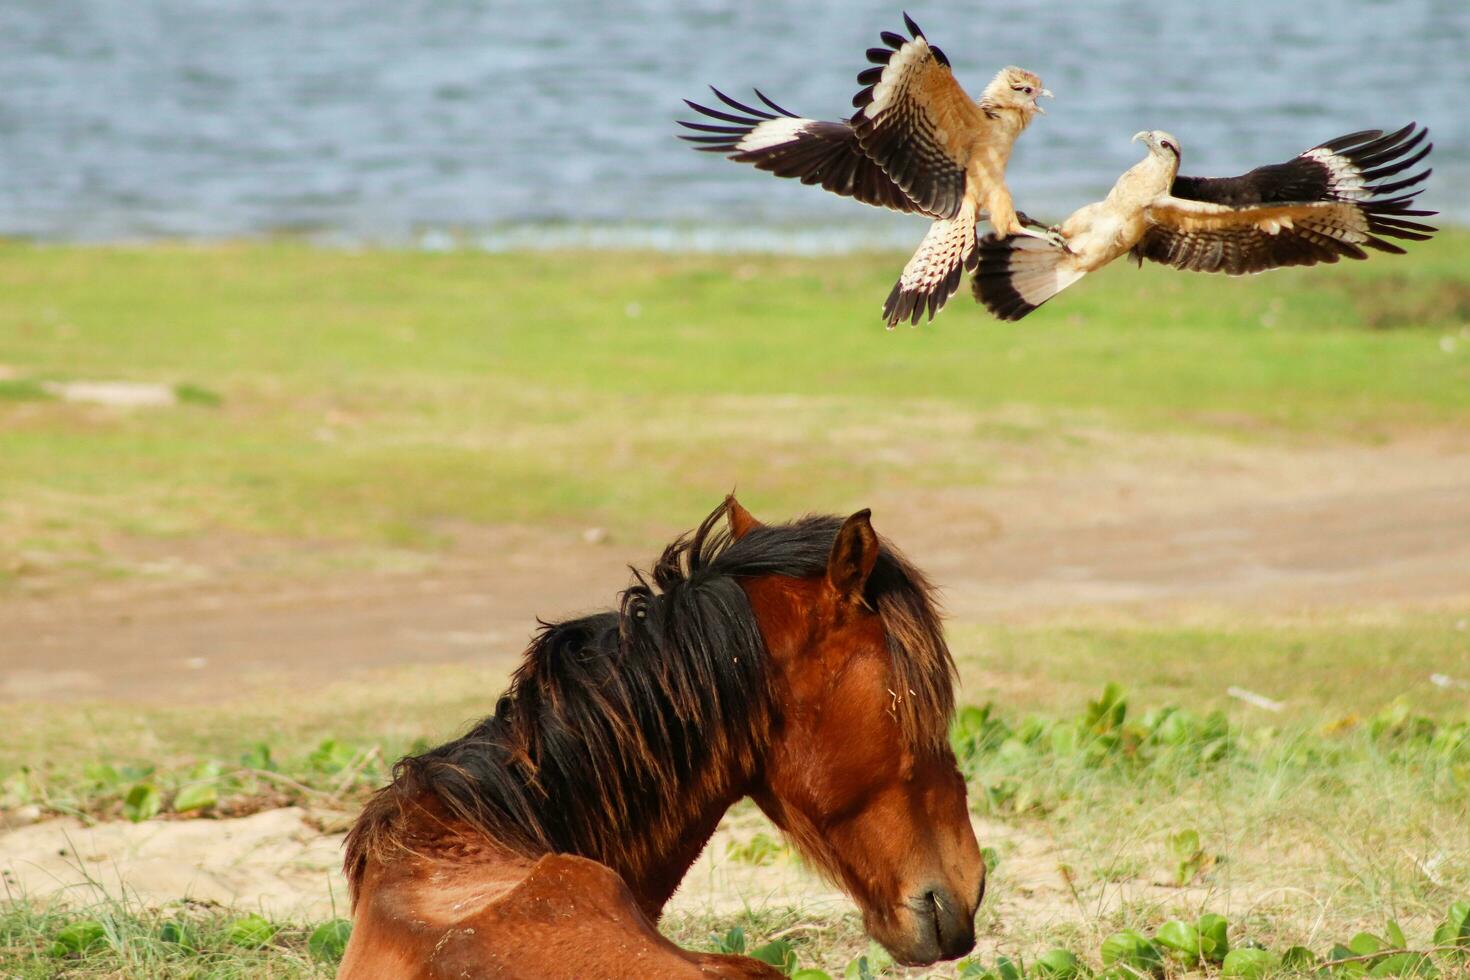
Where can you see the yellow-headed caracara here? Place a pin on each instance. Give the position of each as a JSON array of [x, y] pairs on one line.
[[917, 143], [1331, 201]]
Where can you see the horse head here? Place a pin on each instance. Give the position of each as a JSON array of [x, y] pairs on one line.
[[859, 772]]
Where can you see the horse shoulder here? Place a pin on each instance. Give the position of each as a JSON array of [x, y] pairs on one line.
[[561, 916]]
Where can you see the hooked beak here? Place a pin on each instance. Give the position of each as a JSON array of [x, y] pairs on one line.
[[1140, 136], [1035, 104]]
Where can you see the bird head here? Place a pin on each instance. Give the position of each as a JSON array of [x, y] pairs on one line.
[[1159, 143], [1016, 88]]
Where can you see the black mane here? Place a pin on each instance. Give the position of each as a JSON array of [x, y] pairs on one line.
[[612, 716]]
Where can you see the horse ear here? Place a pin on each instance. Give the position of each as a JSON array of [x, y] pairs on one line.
[[854, 554], [741, 521]]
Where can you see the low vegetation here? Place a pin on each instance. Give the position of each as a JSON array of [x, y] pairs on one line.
[[1199, 803], [380, 401], [333, 409]]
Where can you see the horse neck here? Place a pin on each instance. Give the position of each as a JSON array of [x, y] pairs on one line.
[[670, 803], [654, 846], [659, 876]]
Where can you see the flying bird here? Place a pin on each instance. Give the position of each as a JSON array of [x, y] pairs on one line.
[[1331, 201], [917, 143]]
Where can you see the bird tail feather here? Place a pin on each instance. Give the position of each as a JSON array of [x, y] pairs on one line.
[[932, 274], [1015, 275]]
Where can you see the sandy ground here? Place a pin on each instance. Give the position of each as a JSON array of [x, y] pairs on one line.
[[1143, 527], [1138, 526], [283, 864]]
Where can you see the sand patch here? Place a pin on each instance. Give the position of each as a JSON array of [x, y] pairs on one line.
[[282, 864]]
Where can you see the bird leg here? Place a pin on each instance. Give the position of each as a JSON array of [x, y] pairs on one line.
[[1052, 236], [1007, 221]]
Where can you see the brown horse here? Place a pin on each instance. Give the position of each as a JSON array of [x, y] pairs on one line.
[[800, 664]]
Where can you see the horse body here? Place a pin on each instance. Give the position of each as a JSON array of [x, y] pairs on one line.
[[494, 915], [801, 665]]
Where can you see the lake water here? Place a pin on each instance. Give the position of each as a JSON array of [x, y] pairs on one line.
[[496, 123]]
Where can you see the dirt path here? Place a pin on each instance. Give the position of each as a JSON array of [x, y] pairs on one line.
[[1143, 525]]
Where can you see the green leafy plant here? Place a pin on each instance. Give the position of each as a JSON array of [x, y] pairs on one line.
[[331, 756], [1132, 950], [1189, 858], [1214, 937], [201, 791], [258, 756], [1180, 939], [179, 934], [875, 962], [79, 938], [1249, 964], [777, 953], [328, 941], [1299, 959], [732, 942], [251, 931], [1455, 930], [1059, 964], [142, 802]]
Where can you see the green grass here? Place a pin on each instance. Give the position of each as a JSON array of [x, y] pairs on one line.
[[1348, 809], [1301, 835], [378, 401], [1323, 669], [119, 938], [381, 397], [1329, 673]]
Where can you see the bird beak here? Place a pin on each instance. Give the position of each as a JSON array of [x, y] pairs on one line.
[[1036, 102], [1046, 93], [1140, 136]]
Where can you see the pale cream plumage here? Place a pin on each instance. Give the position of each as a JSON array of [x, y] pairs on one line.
[[1327, 203], [917, 143]]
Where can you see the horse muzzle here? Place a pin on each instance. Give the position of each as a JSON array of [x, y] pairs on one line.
[[940, 926]]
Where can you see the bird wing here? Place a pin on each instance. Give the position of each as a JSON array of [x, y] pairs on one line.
[[1343, 169], [780, 142], [916, 121], [1204, 237], [933, 272], [1334, 200]]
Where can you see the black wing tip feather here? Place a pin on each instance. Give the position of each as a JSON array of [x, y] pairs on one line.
[[1375, 156], [915, 304], [725, 138], [991, 281], [1354, 167], [880, 58], [1387, 209]]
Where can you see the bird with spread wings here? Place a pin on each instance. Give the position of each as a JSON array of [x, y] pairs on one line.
[[917, 143], [1329, 202]]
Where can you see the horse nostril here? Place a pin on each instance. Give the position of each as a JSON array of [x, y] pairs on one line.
[[936, 914], [953, 924]]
